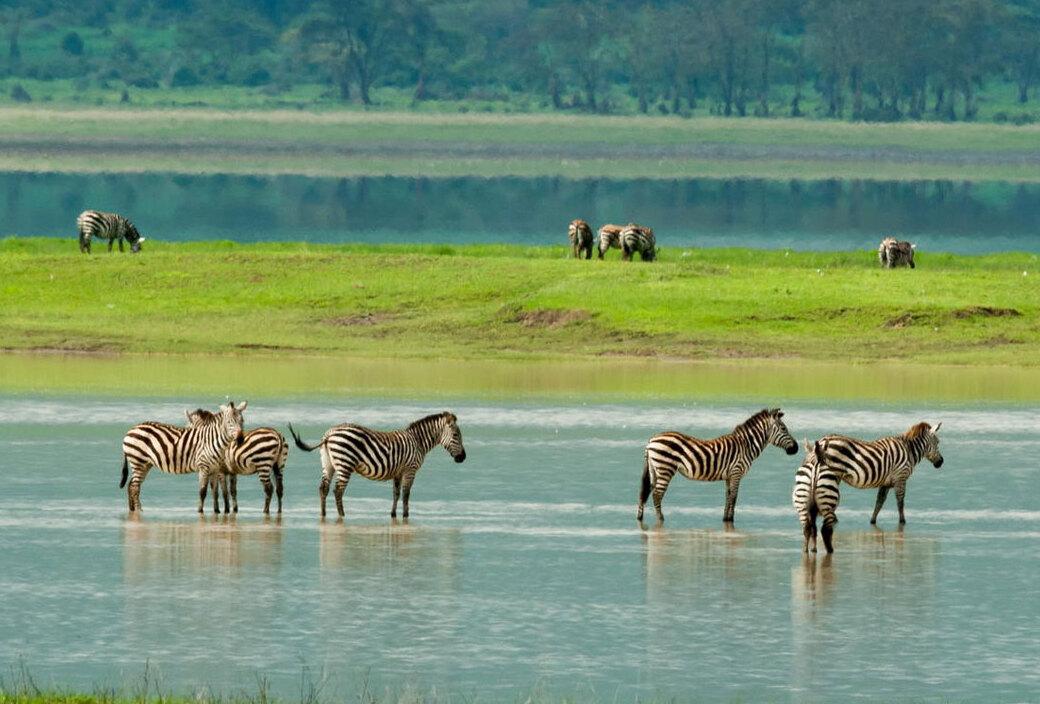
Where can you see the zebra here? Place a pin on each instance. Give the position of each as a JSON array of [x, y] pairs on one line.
[[110, 226], [727, 458], [882, 464], [378, 455], [609, 237], [580, 235], [263, 452], [636, 238], [893, 253], [816, 493], [199, 448]]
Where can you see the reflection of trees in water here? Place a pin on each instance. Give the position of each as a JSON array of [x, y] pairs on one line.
[[153, 549], [248, 207]]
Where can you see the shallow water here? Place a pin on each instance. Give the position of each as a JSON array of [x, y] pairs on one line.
[[524, 569], [827, 214]]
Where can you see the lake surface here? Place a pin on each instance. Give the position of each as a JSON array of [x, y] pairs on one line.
[[523, 570], [831, 214]]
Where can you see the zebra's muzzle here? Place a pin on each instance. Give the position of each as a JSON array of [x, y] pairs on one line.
[[460, 458], [938, 463], [792, 450]]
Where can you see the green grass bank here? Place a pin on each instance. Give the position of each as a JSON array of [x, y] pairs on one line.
[[347, 143], [497, 302]]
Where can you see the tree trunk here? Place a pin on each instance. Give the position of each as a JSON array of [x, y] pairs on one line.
[[420, 84], [857, 93], [554, 91], [796, 109], [763, 97], [1023, 92]]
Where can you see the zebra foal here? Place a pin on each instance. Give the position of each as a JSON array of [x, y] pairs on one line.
[[727, 458], [816, 494], [382, 455], [881, 464], [580, 235], [262, 452], [609, 237], [198, 448], [110, 226]]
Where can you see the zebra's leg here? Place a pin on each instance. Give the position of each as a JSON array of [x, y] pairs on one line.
[[732, 487], [278, 488], [203, 485], [645, 487], [111, 241], [662, 477], [397, 494], [121, 250], [406, 491], [882, 494], [232, 484], [341, 486], [265, 480], [133, 489], [829, 521], [900, 495]]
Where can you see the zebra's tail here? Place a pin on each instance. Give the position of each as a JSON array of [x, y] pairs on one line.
[[126, 472], [300, 443], [644, 490]]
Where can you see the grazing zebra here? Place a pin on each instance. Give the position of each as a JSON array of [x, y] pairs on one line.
[[609, 237], [882, 464], [263, 452], [816, 493], [635, 238], [580, 235], [92, 223], [893, 253], [378, 455], [727, 458], [199, 448]]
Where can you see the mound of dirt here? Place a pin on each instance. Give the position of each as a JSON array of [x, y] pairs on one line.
[[551, 318], [985, 312], [360, 319], [900, 321]]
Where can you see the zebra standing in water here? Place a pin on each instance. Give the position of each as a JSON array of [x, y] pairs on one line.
[[580, 235], [727, 458], [199, 448], [378, 455], [882, 464], [92, 223], [816, 493], [609, 237], [263, 452], [636, 238], [893, 253]]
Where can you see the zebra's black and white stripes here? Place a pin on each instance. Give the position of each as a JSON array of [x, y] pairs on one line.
[[199, 448], [636, 238], [893, 253], [727, 458], [883, 464], [816, 494], [382, 455], [110, 226], [580, 235], [262, 452], [609, 238]]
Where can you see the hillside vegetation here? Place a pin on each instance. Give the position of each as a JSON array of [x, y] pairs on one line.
[[493, 302]]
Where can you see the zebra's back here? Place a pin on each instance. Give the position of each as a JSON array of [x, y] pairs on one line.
[[161, 445], [98, 224], [638, 239], [865, 464], [374, 454], [261, 448], [703, 460], [816, 491]]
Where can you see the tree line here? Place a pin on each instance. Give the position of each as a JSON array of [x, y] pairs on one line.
[[856, 59]]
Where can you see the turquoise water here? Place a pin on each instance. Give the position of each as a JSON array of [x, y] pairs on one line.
[[523, 569], [829, 214]]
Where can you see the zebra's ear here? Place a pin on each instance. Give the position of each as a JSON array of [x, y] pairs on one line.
[[187, 415], [937, 427], [913, 246], [242, 406], [808, 445]]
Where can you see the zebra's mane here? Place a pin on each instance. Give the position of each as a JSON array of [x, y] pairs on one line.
[[917, 431], [427, 419], [761, 415], [204, 415]]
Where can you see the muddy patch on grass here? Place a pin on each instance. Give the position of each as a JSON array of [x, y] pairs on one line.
[[552, 319], [275, 348], [361, 319], [900, 321], [985, 312]]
